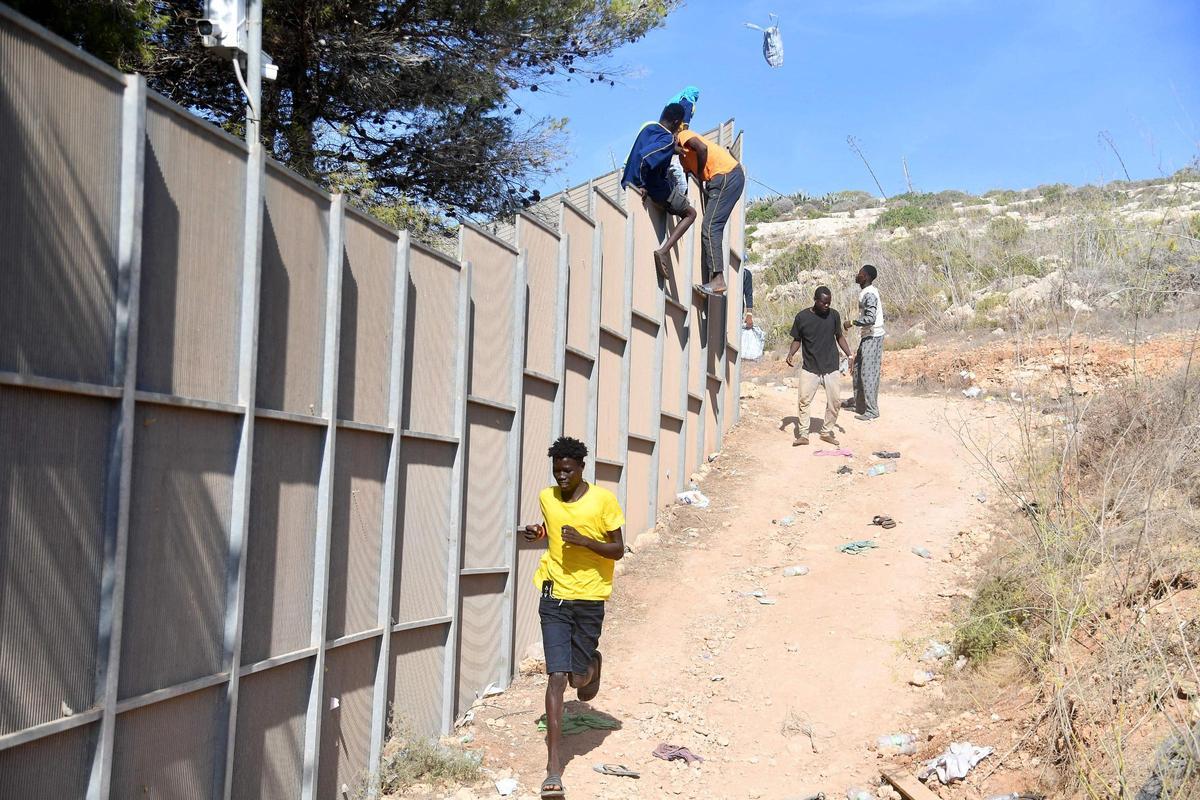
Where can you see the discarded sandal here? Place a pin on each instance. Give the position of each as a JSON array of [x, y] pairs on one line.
[[887, 453], [619, 770], [884, 522], [553, 787]]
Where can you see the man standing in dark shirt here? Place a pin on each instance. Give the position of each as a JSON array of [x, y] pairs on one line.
[[818, 331]]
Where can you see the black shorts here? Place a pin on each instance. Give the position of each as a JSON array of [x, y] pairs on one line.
[[570, 633]]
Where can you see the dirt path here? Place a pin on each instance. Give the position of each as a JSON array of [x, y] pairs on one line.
[[691, 659]]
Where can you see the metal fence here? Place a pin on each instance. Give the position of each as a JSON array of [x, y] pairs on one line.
[[262, 459]]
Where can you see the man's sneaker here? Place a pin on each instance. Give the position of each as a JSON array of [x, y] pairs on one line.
[[865, 418], [829, 437], [799, 440]]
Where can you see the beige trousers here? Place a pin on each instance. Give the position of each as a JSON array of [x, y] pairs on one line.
[[809, 383]]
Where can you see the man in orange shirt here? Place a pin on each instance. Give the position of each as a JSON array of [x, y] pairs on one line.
[[721, 179]]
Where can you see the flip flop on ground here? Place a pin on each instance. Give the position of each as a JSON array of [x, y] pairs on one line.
[[553, 787], [619, 770], [590, 690]]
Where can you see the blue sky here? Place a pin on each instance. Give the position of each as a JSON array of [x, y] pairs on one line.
[[977, 94]]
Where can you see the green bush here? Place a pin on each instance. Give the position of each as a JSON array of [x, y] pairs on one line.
[[997, 612], [783, 269], [761, 211], [907, 216], [409, 758], [1006, 230], [1193, 226], [991, 301]]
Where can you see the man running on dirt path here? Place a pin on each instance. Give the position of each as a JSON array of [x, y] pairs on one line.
[[818, 330], [868, 364], [583, 525], [648, 168], [722, 180]]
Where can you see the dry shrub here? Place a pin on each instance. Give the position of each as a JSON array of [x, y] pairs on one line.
[[1096, 588], [410, 758]]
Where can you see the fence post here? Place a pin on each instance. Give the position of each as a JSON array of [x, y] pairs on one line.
[[118, 473], [626, 358], [329, 378], [513, 511], [247, 389], [391, 488], [593, 418], [560, 331], [457, 488]]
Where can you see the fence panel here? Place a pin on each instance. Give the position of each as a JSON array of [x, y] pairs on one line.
[[320, 526]]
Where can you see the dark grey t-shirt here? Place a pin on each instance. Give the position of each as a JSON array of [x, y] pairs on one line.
[[818, 340]]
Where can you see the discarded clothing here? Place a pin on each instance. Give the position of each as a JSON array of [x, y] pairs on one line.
[[693, 497], [858, 547], [955, 762], [772, 42], [674, 752], [887, 453], [583, 721], [841, 451]]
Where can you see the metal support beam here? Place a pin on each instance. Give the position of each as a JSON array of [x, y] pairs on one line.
[[458, 478], [626, 359], [119, 468], [513, 511], [329, 386]]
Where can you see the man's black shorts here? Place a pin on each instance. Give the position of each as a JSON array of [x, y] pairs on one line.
[[570, 633]]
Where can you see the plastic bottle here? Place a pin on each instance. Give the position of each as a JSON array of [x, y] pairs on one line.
[[922, 552], [904, 743], [879, 469], [855, 793], [791, 572]]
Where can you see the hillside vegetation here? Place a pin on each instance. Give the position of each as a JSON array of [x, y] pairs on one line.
[[1002, 260]]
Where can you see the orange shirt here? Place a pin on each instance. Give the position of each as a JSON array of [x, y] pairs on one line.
[[720, 161]]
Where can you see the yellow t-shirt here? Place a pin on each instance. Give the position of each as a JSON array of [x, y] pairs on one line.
[[577, 572], [720, 161]]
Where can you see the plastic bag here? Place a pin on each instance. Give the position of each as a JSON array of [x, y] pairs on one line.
[[753, 343], [772, 42]]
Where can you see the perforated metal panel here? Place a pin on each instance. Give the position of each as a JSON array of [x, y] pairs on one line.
[[696, 353], [346, 719], [429, 349], [675, 328], [268, 762], [191, 258], [361, 468], [692, 440], [576, 379], [60, 126], [52, 472], [169, 749], [55, 768], [609, 477], [648, 231], [610, 184], [643, 371], [280, 547], [178, 539], [541, 276], [637, 506], [487, 532], [612, 249], [711, 422], [608, 402], [423, 549], [537, 435], [580, 248], [291, 326], [668, 461], [492, 276], [415, 677], [480, 660], [368, 291]]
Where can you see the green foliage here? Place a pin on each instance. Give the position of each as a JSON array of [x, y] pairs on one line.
[[907, 216], [804, 256], [761, 211], [998, 611], [1000, 197], [990, 302], [948, 198], [418, 95], [1193, 226], [1006, 230]]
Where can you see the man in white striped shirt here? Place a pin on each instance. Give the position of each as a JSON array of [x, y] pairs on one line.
[[867, 364]]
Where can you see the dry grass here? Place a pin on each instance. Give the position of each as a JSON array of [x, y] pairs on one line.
[[1094, 591], [410, 759]]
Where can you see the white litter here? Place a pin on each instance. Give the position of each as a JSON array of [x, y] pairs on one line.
[[753, 343], [973, 392], [954, 764], [772, 42], [506, 786], [692, 498]]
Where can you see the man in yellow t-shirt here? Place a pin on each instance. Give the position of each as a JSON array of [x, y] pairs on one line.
[[583, 530], [721, 180]]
